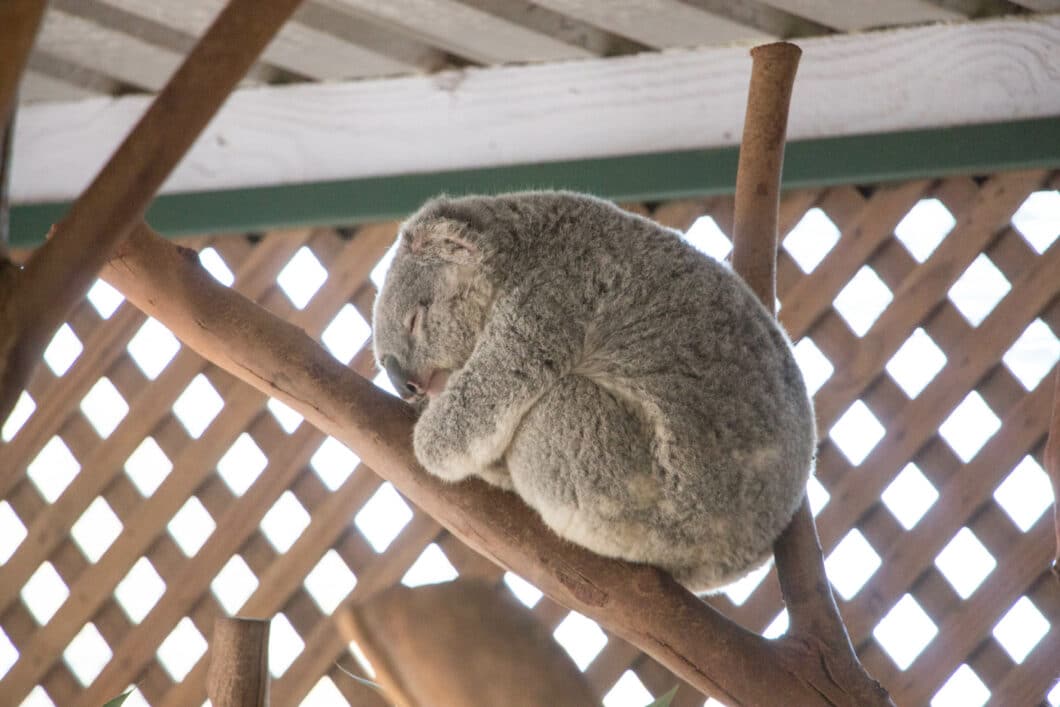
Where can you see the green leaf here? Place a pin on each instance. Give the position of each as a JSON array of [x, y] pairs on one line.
[[117, 701], [666, 699]]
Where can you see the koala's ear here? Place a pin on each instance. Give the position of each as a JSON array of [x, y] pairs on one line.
[[444, 239]]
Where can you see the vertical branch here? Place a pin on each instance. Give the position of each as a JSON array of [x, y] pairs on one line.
[[817, 632], [239, 673], [19, 22]]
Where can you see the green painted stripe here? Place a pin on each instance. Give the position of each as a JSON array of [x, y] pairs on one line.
[[863, 159]]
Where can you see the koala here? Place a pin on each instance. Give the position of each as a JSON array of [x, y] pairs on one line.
[[631, 390]]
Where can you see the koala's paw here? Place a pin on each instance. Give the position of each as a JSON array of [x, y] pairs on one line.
[[439, 447]]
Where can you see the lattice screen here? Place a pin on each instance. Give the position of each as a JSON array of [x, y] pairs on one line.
[[147, 492]]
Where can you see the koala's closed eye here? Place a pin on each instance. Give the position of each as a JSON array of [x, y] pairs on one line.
[[415, 319]]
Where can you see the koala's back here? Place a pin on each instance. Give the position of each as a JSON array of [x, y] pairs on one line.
[[679, 359]]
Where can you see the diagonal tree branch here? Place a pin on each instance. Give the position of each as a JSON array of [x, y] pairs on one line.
[[34, 301], [640, 603]]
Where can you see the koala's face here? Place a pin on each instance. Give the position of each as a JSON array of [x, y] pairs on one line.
[[432, 308]]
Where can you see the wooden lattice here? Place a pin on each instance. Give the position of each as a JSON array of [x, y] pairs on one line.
[[913, 298]]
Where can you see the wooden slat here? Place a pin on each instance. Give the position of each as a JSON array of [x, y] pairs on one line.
[[107, 51], [502, 116], [297, 47], [465, 31], [851, 15], [964, 628], [49, 528], [37, 87], [661, 24]]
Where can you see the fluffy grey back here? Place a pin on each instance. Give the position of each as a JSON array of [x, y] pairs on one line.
[[629, 388]]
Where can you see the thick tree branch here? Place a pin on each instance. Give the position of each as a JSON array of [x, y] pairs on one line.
[[642, 604], [815, 624], [59, 273]]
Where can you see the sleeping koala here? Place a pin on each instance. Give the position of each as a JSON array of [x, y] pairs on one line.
[[632, 391]]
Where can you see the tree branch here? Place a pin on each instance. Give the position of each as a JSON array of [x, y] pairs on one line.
[[239, 664], [812, 611], [59, 273]]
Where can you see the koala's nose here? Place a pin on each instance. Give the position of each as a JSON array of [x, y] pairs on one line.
[[400, 379]]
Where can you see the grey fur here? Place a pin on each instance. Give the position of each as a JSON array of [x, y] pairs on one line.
[[630, 389]]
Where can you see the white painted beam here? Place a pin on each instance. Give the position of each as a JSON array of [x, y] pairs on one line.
[[926, 77]]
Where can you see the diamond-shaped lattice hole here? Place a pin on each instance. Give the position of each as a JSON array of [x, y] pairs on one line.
[[140, 590], [857, 432], [978, 290], [382, 381], [916, 363], [1025, 493], [181, 650], [234, 584], [525, 592], [52, 470], [346, 333], [815, 366], [811, 240], [63, 350], [739, 591], [197, 406], [284, 645], [37, 697], [153, 347], [705, 236], [581, 638], [87, 654], [383, 517], [191, 526], [286, 416], [8, 654], [1038, 219], [1033, 354], [324, 694], [104, 407], [333, 462], [378, 274], [905, 631], [148, 466], [330, 582], [969, 426], [44, 593], [628, 691], [216, 266], [818, 495], [778, 626], [242, 464], [851, 564], [965, 562], [302, 277], [284, 522], [1021, 628], [909, 496], [923, 228], [96, 529], [863, 300], [22, 411], [963, 689], [431, 567], [12, 531], [104, 298]]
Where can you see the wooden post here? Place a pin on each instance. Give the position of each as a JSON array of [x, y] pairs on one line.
[[1052, 466], [239, 663]]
